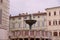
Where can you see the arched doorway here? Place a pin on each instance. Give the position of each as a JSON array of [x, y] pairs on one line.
[[20, 38], [25, 38], [37, 39], [31, 38]]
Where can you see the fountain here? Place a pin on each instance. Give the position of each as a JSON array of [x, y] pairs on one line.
[[30, 22]]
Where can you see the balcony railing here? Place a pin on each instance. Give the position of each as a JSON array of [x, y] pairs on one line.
[[31, 33]]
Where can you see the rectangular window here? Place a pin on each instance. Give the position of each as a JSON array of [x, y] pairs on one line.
[[59, 22], [54, 22], [38, 23], [43, 23], [42, 33], [32, 33], [0, 16], [55, 34], [38, 16], [49, 14], [21, 33], [19, 18], [13, 25], [54, 13], [25, 25], [37, 33], [13, 18], [46, 33], [19, 25], [50, 33], [49, 22], [33, 16], [59, 12], [25, 17], [26, 33]]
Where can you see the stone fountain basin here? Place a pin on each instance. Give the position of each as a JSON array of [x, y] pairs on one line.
[[30, 22]]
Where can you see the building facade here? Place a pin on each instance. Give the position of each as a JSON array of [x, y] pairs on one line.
[[4, 19], [47, 26], [19, 30], [53, 22]]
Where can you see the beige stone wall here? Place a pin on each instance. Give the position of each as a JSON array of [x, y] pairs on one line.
[[52, 18], [53, 28], [23, 25], [4, 26], [3, 34], [5, 13]]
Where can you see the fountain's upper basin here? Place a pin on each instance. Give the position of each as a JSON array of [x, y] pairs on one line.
[[30, 22]]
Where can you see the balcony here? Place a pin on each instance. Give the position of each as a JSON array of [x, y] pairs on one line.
[[30, 33]]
